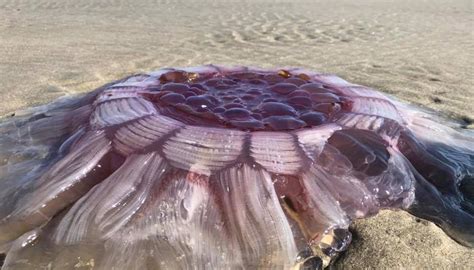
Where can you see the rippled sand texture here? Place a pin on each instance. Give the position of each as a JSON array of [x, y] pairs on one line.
[[420, 51]]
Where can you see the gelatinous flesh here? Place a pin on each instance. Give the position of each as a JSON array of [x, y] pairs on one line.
[[244, 100], [216, 168]]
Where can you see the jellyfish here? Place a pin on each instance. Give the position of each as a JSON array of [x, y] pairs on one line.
[[215, 167]]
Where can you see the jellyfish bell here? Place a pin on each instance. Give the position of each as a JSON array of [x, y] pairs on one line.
[[222, 167]]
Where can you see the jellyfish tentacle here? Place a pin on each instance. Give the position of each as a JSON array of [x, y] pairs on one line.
[[309, 202], [446, 143], [442, 161], [31, 142], [432, 205], [365, 149], [89, 161], [255, 220], [395, 186], [442, 171], [316, 204], [39, 134], [90, 157], [18, 178], [438, 173], [36, 133], [127, 189], [161, 217], [180, 224], [379, 167]]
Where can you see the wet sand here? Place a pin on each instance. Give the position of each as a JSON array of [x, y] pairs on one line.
[[419, 51]]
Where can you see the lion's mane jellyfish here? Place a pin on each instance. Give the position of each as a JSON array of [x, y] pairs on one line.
[[222, 168]]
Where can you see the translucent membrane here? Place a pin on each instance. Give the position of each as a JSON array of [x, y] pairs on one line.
[[216, 168]]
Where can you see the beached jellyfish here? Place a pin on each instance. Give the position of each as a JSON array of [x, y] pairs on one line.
[[222, 168]]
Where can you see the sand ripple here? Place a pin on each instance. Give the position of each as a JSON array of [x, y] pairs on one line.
[[419, 51]]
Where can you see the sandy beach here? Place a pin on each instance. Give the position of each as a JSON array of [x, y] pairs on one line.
[[421, 52]]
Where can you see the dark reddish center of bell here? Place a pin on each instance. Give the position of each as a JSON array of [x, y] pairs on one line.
[[245, 100]]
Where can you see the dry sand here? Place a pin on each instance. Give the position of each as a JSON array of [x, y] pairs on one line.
[[419, 51]]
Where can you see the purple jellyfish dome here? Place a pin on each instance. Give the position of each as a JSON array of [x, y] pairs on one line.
[[219, 168], [245, 100]]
